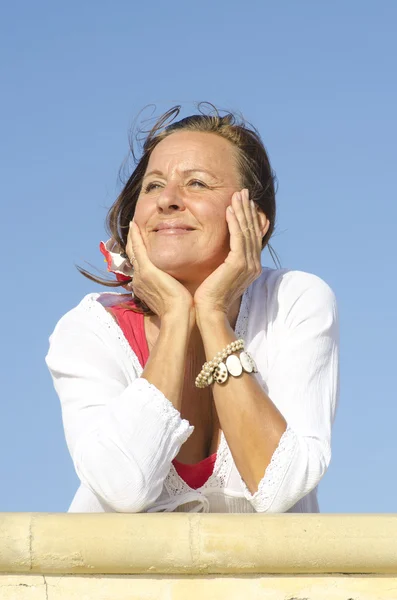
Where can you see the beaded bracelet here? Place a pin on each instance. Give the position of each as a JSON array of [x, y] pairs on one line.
[[205, 377]]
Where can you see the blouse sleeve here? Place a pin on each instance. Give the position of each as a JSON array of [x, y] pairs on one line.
[[303, 382], [122, 436]]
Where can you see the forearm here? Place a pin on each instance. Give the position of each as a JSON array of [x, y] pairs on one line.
[[166, 365], [252, 424]]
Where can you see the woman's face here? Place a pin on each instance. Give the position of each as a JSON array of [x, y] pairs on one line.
[[189, 182]]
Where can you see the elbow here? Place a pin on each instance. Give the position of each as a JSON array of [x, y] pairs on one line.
[[318, 459]]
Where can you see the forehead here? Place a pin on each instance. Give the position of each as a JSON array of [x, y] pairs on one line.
[[189, 150]]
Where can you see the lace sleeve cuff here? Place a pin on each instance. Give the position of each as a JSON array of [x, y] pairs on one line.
[[275, 473], [164, 427], [169, 414]]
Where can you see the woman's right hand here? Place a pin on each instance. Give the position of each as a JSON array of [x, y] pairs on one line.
[[161, 292]]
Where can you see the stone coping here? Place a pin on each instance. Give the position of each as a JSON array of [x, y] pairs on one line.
[[180, 543]]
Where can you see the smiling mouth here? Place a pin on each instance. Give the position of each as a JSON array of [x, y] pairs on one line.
[[173, 231]]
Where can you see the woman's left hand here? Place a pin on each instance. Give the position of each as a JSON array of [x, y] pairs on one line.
[[242, 266]]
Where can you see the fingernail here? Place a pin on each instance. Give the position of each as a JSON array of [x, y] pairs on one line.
[[230, 209]]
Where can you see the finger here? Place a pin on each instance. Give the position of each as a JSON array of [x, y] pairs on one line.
[[252, 242], [136, 249], [128, 248], [250, 232], [257, 236], [237, 203], [237, 240], [255, 220], [245, 220], [240, 217]]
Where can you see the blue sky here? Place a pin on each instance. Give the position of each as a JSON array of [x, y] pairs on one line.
[[319, 82]]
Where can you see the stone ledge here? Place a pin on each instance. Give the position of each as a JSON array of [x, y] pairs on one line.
[[197, 544]]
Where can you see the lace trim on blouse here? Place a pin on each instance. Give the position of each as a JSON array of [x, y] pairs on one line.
[[97, 308], [274, 474]]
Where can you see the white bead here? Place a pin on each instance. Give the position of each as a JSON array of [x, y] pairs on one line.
[[221, 373], [234, 365], [246, 362], [254, 367]]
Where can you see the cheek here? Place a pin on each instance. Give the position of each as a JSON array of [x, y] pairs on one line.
[[218, 227], [221, 229], [141, 213]]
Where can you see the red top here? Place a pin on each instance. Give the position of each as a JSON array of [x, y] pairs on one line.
[[132, 325]]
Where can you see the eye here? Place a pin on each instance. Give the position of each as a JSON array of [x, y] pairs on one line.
[[151, 186], [197, 182]]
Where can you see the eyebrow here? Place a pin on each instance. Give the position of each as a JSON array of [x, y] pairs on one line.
[[186, 172]]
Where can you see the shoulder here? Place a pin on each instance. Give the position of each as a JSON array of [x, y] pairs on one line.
[[91, 316], [88, 335], [289, 294], [285, 284], [289, 282]]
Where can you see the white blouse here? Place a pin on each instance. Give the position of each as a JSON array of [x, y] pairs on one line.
[[123, 433]]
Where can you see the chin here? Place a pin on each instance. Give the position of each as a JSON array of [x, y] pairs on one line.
[[187, 266], [181, 269], [172, 266]]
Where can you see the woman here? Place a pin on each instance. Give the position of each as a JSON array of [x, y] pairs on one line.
[[215, 388]]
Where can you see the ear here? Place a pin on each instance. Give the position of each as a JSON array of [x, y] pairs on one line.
[[264, 222]]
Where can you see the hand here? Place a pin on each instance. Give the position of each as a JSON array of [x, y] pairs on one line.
[[161, 292], [242, 266]]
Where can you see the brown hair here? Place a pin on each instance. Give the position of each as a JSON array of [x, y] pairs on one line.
[[252, 160]]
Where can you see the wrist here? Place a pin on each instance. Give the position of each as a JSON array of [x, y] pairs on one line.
[[179, 318], [210, 319]]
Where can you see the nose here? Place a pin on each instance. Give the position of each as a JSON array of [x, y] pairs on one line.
[[170, 199]]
